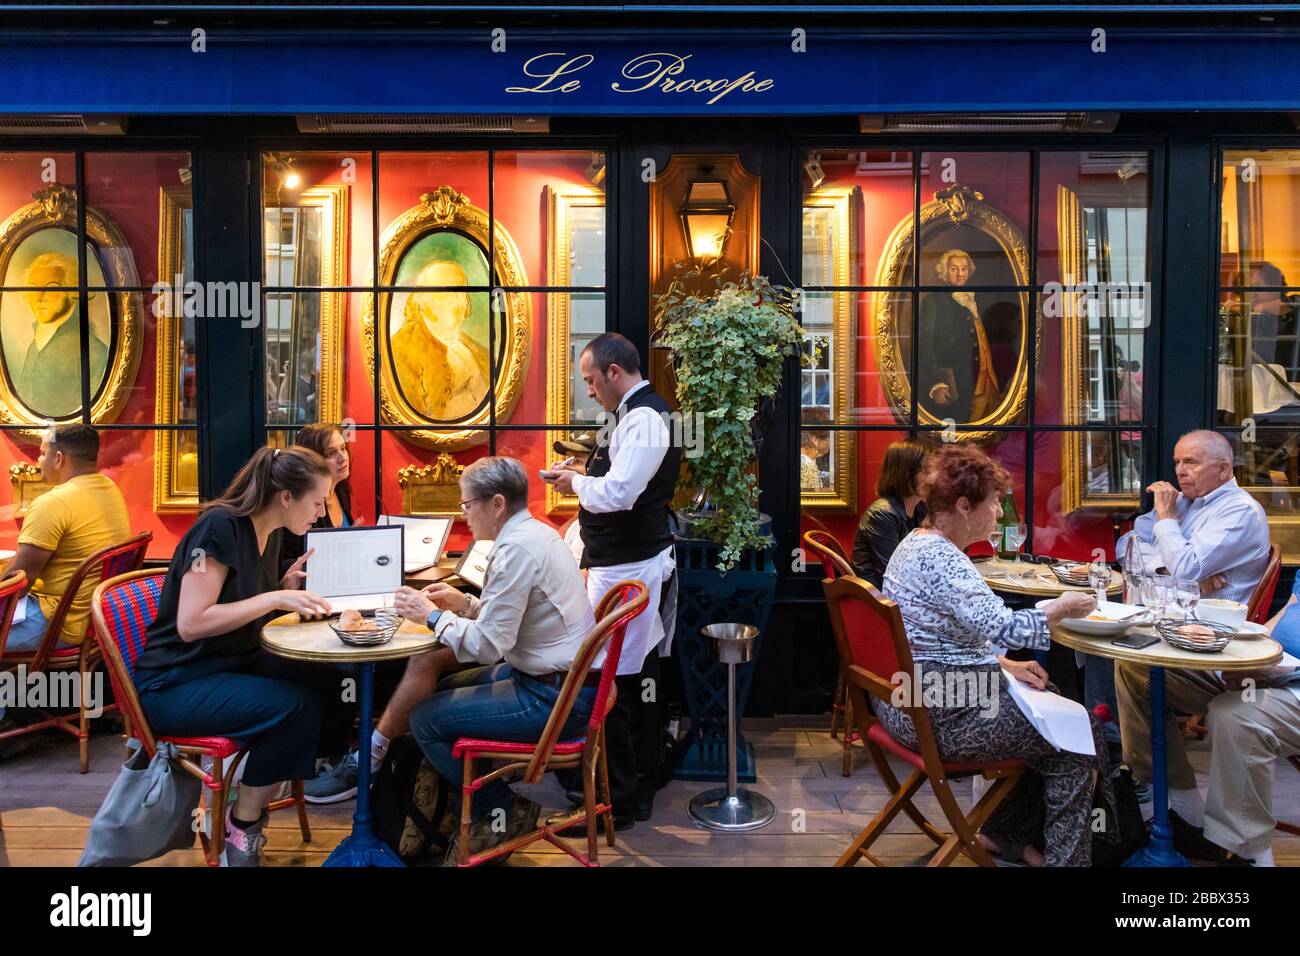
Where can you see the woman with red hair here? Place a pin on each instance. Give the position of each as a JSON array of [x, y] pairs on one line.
[[956, 626]]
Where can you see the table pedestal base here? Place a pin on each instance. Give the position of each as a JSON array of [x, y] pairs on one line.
[[716, 810], [1160, 851], [363, 850]]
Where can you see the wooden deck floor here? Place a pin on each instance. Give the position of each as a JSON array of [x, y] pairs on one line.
[[46, 808]]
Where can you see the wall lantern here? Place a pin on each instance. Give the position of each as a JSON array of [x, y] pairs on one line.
[[707, 212]]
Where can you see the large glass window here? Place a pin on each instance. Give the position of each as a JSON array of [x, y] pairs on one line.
[[95, 248], [1258, 380], [999, 298], [451, 334]]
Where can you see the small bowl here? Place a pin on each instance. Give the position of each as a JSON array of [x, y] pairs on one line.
[[387, 622], [1174, 633], [1218, 611]]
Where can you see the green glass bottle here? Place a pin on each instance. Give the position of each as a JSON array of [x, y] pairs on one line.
[[1008, 521]]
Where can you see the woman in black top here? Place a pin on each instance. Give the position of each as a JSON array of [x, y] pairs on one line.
[[203, 673], [326, 440], [894, 514]]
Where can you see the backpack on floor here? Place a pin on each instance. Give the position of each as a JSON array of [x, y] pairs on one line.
[[408, 800]]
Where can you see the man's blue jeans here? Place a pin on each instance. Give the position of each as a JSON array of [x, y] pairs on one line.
[[497, 703], [25, 636], [1099, 688]]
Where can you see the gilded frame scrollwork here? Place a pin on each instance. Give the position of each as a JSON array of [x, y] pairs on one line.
[[1075, 495], [956, 205], [842, 203], [446, 209], [55, 206], [560, 204]]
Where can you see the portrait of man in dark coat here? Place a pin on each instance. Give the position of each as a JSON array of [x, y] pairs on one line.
[[957, 378]]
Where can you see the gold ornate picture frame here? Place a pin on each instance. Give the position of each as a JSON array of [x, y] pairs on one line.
[[561, 202], [840, 207], [55, 208], [957, 205], [176, 472], [1075, 485], [444, 210]]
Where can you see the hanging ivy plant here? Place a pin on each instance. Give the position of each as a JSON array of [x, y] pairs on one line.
[[728, 348]]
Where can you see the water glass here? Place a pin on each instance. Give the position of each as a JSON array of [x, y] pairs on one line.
[[1187, 593], [1150, 595], [1099, 579]]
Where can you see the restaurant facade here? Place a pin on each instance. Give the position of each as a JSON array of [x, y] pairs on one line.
[[238, 218]]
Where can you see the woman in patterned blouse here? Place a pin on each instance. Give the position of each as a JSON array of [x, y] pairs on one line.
[[955, 623]]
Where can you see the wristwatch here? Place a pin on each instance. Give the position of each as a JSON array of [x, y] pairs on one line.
[[432, 619]]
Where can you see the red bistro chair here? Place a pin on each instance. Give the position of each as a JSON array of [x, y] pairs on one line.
[[122, 608], [1262, 597], [11, 589], [835, 565], [617, 608], [873, 646], [104, 564]]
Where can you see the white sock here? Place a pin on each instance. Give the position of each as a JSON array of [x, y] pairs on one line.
[[378, 747], [1265, 858], [1188, 804]]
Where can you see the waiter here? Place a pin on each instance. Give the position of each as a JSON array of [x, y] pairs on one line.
[[624, 493]]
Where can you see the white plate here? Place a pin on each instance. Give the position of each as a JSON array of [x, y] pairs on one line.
[[1251, 630], [1082, 625]]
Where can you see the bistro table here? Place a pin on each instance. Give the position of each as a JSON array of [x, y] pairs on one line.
[[1253, 652], [1027, 579], [299, 640]]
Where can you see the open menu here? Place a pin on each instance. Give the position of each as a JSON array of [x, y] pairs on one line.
[[423, 540], [1062, 722], [472, 568], [358, 568]]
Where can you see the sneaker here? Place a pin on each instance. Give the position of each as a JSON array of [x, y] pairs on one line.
[[244, 847], [1142, 791], [334, 785]]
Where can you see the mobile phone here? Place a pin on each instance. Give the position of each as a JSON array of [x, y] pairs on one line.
[[547, 476], [1135, 642]]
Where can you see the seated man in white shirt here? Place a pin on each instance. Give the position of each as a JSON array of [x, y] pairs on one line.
[[1208, 529], [523, 634]]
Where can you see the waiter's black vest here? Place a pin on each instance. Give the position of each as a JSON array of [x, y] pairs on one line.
[[641, 532]]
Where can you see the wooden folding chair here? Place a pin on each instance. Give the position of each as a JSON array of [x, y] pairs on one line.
[[123, 607], [621, 603], [103, 564], [835, 564], [1262, 597], [873, 649]]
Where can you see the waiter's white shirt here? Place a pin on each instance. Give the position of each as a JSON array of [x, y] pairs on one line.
[[637, 446]]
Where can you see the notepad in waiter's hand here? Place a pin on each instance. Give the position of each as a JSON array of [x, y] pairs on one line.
[[358, 568], [1062, 722]]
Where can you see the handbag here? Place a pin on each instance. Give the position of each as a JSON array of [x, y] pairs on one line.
[[148, 812], [409, 801]]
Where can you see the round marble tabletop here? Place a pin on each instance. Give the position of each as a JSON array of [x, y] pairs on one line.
[[1254, 652], [288, 636], [1033, 579]]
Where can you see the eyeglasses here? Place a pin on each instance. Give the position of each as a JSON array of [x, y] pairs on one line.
[[469, 501]]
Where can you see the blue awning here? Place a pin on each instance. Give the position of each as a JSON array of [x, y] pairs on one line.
[[648, 73]]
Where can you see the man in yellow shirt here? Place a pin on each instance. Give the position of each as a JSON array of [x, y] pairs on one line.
[[83, 514]]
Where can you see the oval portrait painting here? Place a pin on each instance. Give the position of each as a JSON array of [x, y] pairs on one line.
[[438, 341], [40, 347]]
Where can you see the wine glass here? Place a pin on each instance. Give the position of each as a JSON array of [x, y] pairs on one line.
[[1099, 580], [1165, 594], [1187, 592], [1015, 538]]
